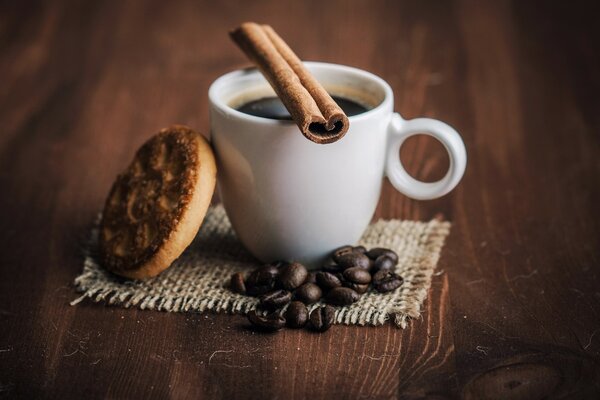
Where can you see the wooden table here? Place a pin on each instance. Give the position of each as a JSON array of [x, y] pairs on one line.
[[515, 313]]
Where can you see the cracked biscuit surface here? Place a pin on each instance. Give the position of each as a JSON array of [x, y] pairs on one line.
[[156, 206]]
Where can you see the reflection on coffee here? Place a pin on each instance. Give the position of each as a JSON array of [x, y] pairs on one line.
[[273, 108]]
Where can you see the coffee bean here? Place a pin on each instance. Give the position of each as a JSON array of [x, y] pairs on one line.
[[340, 251], [296, 314], [266, 272], [382, 262], [359, 249], [342, 296], [322, 318], [259, 290], [292, 276], [237, 283], [270, 322], [386, 281], [330, 266], [380, 251], [275, 299], [357, 275], [312, 277], [349, 260], [308, 293], [328, 280], [359, 288], [261, 281]]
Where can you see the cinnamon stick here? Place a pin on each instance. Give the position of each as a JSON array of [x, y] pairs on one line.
[[317, 115]]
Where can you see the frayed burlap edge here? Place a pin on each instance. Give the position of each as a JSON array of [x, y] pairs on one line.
[[198, 280]]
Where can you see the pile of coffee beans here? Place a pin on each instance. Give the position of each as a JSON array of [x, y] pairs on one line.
[[349, 272]]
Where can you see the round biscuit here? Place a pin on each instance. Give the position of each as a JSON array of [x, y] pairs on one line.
[[156, 206]]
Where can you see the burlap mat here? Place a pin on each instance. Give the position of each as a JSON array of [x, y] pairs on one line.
[[198, 280]]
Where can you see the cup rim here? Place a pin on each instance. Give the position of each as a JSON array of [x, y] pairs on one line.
[[222, 106]]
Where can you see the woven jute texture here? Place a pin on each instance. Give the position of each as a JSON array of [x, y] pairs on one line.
[[198, 280]]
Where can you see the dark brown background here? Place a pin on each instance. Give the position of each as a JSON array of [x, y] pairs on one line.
[[516, 313]]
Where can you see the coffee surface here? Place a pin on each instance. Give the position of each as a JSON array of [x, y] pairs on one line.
[[273, 108]]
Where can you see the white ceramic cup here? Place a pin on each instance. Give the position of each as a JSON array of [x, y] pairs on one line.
[[291, 199]]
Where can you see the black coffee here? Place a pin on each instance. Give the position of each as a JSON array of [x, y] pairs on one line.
[[273, 108]]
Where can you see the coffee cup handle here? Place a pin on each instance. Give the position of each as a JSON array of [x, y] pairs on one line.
[[399, 131]]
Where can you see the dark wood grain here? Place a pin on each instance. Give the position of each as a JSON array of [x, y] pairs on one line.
[[515, 313]]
